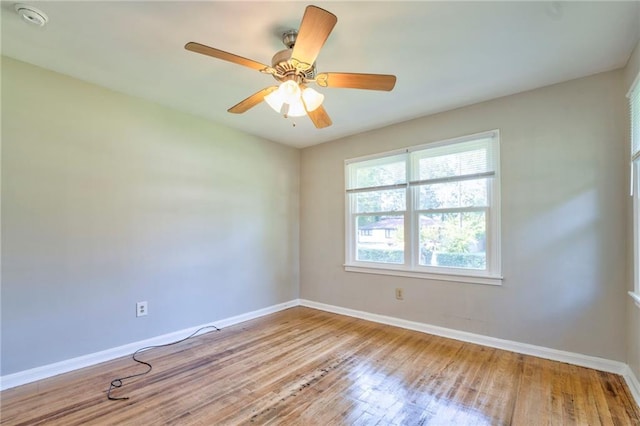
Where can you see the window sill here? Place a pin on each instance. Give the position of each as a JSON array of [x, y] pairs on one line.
[[473, 279], [635, 297]]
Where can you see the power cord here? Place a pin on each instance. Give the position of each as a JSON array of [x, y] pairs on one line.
[[118, 382]]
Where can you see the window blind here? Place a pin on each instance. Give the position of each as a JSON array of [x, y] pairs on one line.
[[377, 174], [634, 107], [453, 162], [634, 110]]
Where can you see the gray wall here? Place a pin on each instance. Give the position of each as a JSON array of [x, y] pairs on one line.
[[108, 200], [564, 222], [633, 313]]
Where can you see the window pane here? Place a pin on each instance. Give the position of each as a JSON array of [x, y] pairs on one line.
[[467, 193], [380, 239], [454, 240], [453, 164], [380, 201]]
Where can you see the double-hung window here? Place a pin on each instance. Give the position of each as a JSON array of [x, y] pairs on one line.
[[429, 211], [634, 107]]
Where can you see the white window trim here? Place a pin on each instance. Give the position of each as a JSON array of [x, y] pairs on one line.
[[492, 276], [635, 188], [442, 276]]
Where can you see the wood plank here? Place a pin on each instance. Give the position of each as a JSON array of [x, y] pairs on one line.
[[304, 366]]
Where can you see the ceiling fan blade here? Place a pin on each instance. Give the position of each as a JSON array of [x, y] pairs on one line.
[[251, 101], [314, 30], [320, 117], [356, 81], [225, 56]]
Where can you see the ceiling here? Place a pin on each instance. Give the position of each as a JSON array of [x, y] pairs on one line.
[[444, 54]]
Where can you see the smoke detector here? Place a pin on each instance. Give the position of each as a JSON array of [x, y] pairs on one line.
[[31, 15]]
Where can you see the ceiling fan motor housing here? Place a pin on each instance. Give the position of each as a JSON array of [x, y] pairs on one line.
[[286, 68], [282, 63]]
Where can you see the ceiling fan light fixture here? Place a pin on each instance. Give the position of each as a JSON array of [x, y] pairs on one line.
[[287, 94], [293, 109]]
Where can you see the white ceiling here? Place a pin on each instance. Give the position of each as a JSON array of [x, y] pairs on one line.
[[444, 54]]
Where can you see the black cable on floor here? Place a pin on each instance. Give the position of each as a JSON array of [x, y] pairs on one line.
[[118, 382]]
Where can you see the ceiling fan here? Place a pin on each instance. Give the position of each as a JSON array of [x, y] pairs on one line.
[[294, 67]]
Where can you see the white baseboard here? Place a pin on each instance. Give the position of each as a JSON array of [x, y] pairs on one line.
[[633, 383], [596, 363], [50, 370]]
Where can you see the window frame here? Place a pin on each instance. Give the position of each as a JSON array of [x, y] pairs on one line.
[[411, 266], [634, 117], [635, 176]]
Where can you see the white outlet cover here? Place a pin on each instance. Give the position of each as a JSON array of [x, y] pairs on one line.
[[141, 309]]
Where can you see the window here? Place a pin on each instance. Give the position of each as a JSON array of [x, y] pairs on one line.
[[428, 211], [634, 107]]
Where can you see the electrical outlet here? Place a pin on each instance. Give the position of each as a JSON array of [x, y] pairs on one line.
[[400, 293], [141, 309]]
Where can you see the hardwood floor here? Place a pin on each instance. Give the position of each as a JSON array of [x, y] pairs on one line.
[[307, 367]]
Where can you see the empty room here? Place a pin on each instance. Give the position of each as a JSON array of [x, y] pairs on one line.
[[338, 213]]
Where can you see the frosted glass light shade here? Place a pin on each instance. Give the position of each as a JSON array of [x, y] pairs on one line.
[[290, 91]]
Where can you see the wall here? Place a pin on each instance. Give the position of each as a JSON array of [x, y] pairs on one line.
[[633, 313], [563, 160], [108, 200]]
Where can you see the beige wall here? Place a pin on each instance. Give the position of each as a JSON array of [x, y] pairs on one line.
[[108, 200], [633, 313], [564, 162]]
